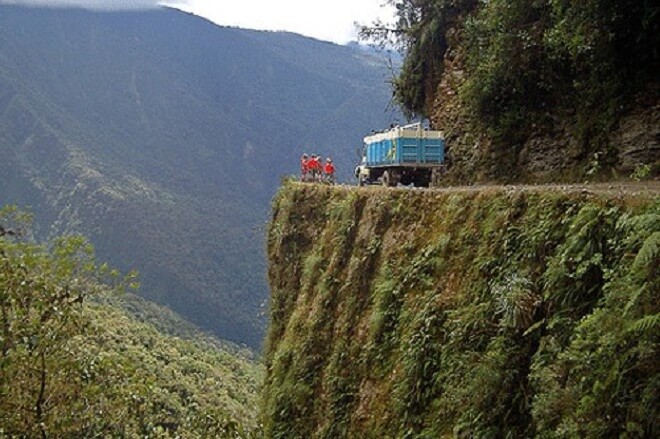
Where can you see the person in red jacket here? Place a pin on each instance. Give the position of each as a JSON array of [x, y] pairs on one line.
[[304, 167], [329, 170], [315, 167]]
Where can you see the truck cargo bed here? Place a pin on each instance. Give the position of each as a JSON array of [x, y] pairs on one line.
[[405, 146]]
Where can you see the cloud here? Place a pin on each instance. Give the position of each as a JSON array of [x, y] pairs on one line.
[[87, 4]]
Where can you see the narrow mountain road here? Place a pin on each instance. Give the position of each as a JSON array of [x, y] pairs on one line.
[[611, 189]]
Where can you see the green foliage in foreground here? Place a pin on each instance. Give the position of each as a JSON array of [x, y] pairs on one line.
[[401, 314], [73, 365]]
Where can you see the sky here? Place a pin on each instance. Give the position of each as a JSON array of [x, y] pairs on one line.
[[329, 20]]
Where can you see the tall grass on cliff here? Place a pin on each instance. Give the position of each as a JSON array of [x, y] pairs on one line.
[[492, 313]]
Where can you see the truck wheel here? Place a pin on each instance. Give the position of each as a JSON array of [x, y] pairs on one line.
[[386, 179]]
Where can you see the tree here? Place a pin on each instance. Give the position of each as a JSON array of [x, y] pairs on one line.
[[42, 290], [75, 363], [420, 33]]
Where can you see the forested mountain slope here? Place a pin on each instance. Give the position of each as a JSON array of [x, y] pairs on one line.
[[463, 312], [79, 358], [162, 137]]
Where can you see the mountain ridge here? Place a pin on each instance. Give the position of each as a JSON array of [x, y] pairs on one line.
[[163, 137]]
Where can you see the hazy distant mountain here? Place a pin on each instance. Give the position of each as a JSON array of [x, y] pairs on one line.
[[162, 137], [390, 54]]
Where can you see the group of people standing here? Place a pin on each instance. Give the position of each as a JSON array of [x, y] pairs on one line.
[[311, 169]]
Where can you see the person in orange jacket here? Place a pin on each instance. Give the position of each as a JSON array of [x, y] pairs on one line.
[[304, 167], [329, 170]]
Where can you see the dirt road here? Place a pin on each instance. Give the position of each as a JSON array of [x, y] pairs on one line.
[[612, 189]]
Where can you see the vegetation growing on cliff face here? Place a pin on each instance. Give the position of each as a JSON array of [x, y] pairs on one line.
[[421, 34], [524, 54], [74, 364], [527, 57], [522, 64], [480, 313]]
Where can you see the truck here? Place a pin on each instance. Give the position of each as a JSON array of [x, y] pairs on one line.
[[407, 154]]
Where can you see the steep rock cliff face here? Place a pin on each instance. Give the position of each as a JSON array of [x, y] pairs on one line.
[[483, 313], [551, 147], [530, 91]]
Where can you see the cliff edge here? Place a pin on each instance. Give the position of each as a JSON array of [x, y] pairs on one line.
[[474, 312]]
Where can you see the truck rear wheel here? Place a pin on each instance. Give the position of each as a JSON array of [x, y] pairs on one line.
[[422, 178], [390, 178], [385, 179]]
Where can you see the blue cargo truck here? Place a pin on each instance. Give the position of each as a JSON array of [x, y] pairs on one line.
[[408, 155]]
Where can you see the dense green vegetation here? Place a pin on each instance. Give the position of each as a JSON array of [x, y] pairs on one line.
[[527, 57], [522, 67], [162, 137], [420, 33], [523, 56], [75, 364], [465, 313]]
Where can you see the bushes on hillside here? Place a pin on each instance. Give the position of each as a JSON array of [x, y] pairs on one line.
[[73, 366]]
